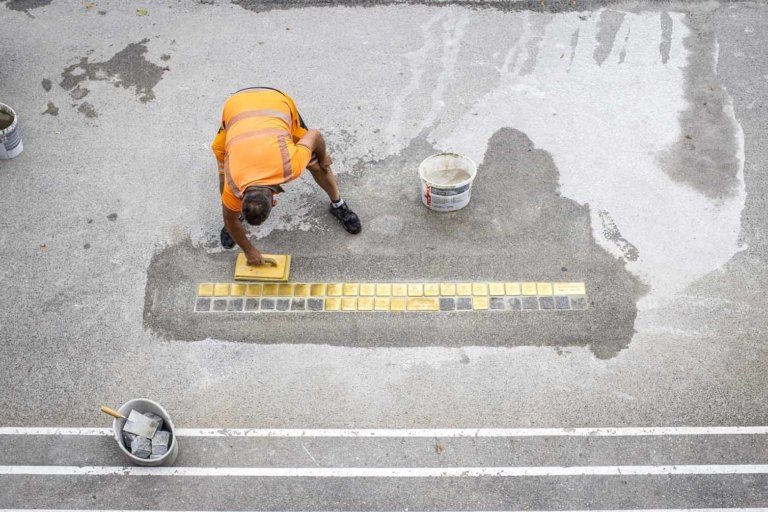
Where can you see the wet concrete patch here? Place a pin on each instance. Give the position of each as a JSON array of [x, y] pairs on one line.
[[87, 110], [608, 27], [517, 226], [52, 109], [46, 83], [550, 6], [26, 5], [706, 156], [128, 69]]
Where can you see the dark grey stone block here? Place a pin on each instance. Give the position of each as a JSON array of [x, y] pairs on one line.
[[464, 303], [141, 447], [220, 305], [562, 303], [267, 304], [497, 303], [447, 304], [579, 303], [283, 304], [530, 303], [514, 303], [160, 444], [128, 439], [251, 304], [203, 305], [298, 305], [315, 304], [235, 305], [547, 302]]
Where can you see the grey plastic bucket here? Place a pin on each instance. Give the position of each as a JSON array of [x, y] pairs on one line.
[[10, 133], [443, 197], [144, 405]]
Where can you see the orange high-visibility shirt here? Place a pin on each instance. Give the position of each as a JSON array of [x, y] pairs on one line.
[[257, 144]]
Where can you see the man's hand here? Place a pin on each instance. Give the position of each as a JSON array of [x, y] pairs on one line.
[[253, 256]]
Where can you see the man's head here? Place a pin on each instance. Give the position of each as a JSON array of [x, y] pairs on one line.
[[257, 205]]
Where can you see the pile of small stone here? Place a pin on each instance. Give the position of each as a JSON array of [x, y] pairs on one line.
[[146, 448]]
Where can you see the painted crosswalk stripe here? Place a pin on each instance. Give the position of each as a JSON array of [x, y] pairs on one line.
[[412, 432], [376, 472]]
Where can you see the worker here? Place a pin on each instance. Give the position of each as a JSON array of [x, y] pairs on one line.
[[262, 144]]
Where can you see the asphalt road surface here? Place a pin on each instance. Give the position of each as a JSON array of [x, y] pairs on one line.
[[620, 150]]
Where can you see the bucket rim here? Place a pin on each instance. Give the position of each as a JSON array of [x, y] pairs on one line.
[[166, 420], [472, 165], [12, 126]]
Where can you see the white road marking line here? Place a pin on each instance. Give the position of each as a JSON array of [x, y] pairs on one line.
[[367, 472], [412, 432]]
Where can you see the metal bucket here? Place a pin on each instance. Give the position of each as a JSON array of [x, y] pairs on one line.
[[144, 405], [10, 133], [446, 181]]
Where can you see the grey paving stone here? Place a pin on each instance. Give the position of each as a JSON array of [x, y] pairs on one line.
[[514, 303], [579, 303], [251, 304], [235, 305], [447, 304], [497, 303], [315, 304], [203, 305], [283, 304], [141, 447], [160, 444], [220, 305], [298, 305], [267, 304], [464, 303], [562, 303], [547, 302], [530, 303]]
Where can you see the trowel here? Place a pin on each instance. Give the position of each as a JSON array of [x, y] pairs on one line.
[[276, 268], [135, 423]]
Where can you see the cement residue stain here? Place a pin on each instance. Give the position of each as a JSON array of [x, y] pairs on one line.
[[608, 26], [706, 155], [666, 36], [574, 45], [128, 69], [538, 27], [52, 109], [517, 224], [46, 84], [611, 232]]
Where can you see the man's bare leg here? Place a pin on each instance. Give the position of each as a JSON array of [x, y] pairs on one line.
[[326, 180]]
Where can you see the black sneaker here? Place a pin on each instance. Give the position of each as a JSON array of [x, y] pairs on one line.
[[227, 241], [348, 218]]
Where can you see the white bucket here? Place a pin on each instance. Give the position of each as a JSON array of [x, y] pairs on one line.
[[446, 181], [144, 405], [10, 134]]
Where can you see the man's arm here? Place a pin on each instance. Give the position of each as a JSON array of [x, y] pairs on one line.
[[236, 230], [219, 147], [316, 143]]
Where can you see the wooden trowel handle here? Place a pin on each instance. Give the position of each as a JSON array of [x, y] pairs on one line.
[[111, 412], [270, 261]]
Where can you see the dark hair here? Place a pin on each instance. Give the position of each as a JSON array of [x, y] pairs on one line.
[[257, 205]]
